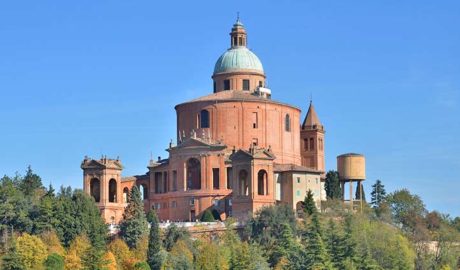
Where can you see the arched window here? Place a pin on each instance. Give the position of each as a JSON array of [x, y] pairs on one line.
[[312, 144], [113, 190], [287, 123], [262, 182], [144, 191], [95, 189], [204, 119], [243, 185], [125, 194], [193, 174]]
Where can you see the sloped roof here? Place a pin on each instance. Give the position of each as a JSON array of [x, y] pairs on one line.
[[104, 163], [253, 153], [292, 167], [311, 119], [235, 95]]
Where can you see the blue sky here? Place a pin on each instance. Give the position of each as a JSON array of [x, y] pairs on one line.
[[102, 77]]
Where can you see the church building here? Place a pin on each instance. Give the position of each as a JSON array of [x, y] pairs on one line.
[[237, 151]]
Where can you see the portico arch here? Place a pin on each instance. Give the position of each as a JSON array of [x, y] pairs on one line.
[[262, 182], [243, 183], [95, 189], [193, 174], [113, 190]]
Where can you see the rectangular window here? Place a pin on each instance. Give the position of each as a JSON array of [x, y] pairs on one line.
[[174, 183], [305, 144], [165, 182], [246, 85], [215, 178], [260, 84], [158, 182], [226, 84], [255, 123], [312, 144], [173, 204], [298, 180], [229, 178], [214, 87], [192, 201], [298, 192]]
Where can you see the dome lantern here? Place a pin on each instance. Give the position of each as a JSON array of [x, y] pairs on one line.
[[238, 68]]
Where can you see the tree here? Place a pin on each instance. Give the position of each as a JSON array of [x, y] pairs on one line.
[[11, 260], [316, 255], [249, 257], [285, 245], [359, 191], [110, 261], [31, 250], [54, 261], [406, 208], [53, 244], [154, 257], [121, 251], [378, 194], [180, 257], [142, 266], [173, 234], [207, 216], [78, 214], [210, 257], [30, 183], [134, 223], [309, 205], [335, 245], [332, 185]]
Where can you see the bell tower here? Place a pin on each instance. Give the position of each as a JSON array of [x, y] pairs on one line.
[[312, 141], [102, 181]]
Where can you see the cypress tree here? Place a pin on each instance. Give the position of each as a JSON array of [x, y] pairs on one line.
[[154, 257], [309, 206], [316, 255], [335, 245], [358, 193], [134, 223], [349, 251], [207, 216], [332, 185], [378, 194]]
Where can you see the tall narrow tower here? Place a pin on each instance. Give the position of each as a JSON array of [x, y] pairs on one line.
[[102, 181], [312, 141]]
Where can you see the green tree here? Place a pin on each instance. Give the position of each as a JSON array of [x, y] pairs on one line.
[[142, 266], [309, 205], [378, 194], [54, 261], [154, 256], [359, 192], [134, 223], [316, 254], [406, 208], [173, 234], [248, 257], [332, 185], [285, 246], [11, 260], [30, 183], [335, 245], [207, 216]]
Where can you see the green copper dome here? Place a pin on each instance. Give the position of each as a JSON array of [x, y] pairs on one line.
[[238, 58]]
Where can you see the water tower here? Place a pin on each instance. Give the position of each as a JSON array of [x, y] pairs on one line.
[[352, 168]]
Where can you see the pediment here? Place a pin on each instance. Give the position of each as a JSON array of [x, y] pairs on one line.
[[252, 154]]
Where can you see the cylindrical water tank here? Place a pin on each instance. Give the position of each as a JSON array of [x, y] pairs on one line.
[[351, 166]]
